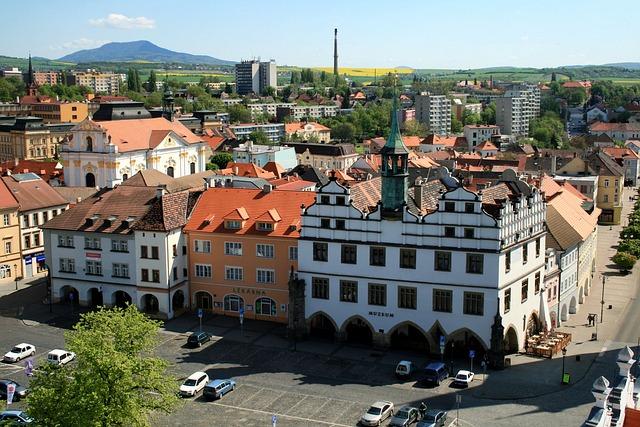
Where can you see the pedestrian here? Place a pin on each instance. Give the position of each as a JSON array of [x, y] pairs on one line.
[[588, 320], [423, 408]]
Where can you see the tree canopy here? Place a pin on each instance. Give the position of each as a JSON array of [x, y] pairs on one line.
[[548, 131], [239, 113], [116, 380]]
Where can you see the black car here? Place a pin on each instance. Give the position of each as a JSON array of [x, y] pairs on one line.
[[196, 339], [20, 393]]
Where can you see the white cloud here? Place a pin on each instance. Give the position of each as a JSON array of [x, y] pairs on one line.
[[116, 20], [81, 43]]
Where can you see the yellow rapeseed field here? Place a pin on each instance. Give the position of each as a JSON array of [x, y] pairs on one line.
[[349, 71]]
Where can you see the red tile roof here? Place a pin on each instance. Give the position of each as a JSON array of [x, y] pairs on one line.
[[487, 145], [142, 134], [620, 127], [246, 169], [32, 192], [619, 152], [256, 203], [275, 168], [447, 141], [45, 170], [299, 126], [7, 201]]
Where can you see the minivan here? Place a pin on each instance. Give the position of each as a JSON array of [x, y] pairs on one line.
[[435, 372]]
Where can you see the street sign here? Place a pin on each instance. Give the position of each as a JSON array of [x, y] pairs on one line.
[[241, 311], [441, 339], [11, 389], [241, 318], [200, 312], [274, 420], [458, 398], [472, 354]]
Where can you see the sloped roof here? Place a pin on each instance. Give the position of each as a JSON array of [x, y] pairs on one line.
[[609, 127], [300, 126], [256, 203], [275, 168], [600, 161], [7, 201], [148, 178], [567, 221], [447, 141], [72, 194], [32, 192], [142, 134], [487, 145], [246, 169]]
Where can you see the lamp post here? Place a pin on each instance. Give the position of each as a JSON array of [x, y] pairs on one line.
[[15, 273], [604, 279], [564, 353]]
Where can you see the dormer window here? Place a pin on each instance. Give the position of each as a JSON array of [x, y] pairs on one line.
[[264, 226], [233, 225]]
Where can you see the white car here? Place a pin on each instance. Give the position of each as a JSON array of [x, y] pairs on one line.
[[194, 384], [463, 378], [60, 357], [19, 352], [377, 413]]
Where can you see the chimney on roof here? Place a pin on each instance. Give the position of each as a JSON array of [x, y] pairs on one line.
[[161, 190], [78, 199], [236, 170], [418, 190], [267, 188]]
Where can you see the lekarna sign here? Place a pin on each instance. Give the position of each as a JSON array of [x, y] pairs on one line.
[[11, 389], [472, 354], [200, 313]]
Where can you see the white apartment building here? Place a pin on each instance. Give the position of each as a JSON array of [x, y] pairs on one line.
[[260, 155], [99, 82], [38, 203], [106, 153], [512, 116], [274, 131], [298, 112], [477, 134], [254, 76], [434, 111], [122, 246], [393, 264]]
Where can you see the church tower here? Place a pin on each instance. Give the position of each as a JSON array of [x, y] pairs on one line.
[[167, 103], [395, 170], [32, 88]]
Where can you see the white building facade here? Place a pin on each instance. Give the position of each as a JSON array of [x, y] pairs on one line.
[[104, 154]]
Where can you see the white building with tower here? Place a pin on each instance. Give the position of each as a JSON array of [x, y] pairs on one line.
[[403, 264]]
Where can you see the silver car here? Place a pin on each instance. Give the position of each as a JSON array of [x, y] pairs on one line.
[[377, 413], [405, 416]]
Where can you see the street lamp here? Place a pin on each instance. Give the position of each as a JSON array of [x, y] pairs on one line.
[[604, 279], [15, 272], [564, 353]]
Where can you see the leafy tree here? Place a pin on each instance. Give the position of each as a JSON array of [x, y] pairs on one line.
[[346, 101], [260, 138], [323, 76], [116, 382], [456, 125], [239, 114], [488, 115], [228, 89], [10, 88], [131, 80], [269, 91], [470, 118], [548, 131], [295, 77], [343, 132], [221, 160], [549, 103], [553, 76], [630, 246], [286, 93], [151, 82], [624, 260], [138, 85], [574, 96], [415, 128], [154, 99]]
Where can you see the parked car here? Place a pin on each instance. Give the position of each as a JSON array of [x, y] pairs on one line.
[[218, 388], [405, 369], [433, 418], [405, 416], [60, 357], [377, 413], [19, 352], [435, 373], [196, 339], [20, 393], [463, 378], [15, 418], [194, 384]]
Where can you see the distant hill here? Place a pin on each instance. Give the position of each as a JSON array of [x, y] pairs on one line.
[[629, 65], [141, 50]]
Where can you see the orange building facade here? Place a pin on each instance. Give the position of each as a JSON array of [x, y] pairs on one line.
[[243, 245]]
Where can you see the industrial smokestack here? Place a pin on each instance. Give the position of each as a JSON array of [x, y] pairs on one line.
[[335, 51]]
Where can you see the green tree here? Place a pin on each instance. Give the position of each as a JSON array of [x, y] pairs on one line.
[[549, 103], [286, 93], [221, 159], [624, 260], [269, 91], [239, 113], [456, 125], [346, 101], [630, 246], [343, 132], [295, 77], [548, 131], [470, 118], [228, 89], [116, 382], [415, 128], [151, 82], [10, 88], [260, 138], [138, 84], [488, 115], [131, 80]]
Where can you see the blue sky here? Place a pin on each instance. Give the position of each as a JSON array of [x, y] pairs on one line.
[[421, 34]]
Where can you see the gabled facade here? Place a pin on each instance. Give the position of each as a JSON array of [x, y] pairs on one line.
[[104, 154]]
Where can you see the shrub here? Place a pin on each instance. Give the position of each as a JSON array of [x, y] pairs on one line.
[[624, 260]]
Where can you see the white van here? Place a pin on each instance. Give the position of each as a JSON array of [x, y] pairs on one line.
[[60, 357]]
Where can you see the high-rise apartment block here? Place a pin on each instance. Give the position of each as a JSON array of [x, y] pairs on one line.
[[519, 105], [107, 83], [434, 111], [253, 76]]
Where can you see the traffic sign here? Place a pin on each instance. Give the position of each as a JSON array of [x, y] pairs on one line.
[[241, 311], [472, 354], [200, 313], [274, 420], [441, 339]]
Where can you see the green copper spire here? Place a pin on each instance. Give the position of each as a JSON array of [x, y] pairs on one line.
[[395, 172], [394, 141]]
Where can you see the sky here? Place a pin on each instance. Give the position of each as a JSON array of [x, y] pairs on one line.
[[453, 34]]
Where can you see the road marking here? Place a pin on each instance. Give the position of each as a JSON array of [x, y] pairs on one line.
[[293, 417], [298, 402], [455, 421]]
